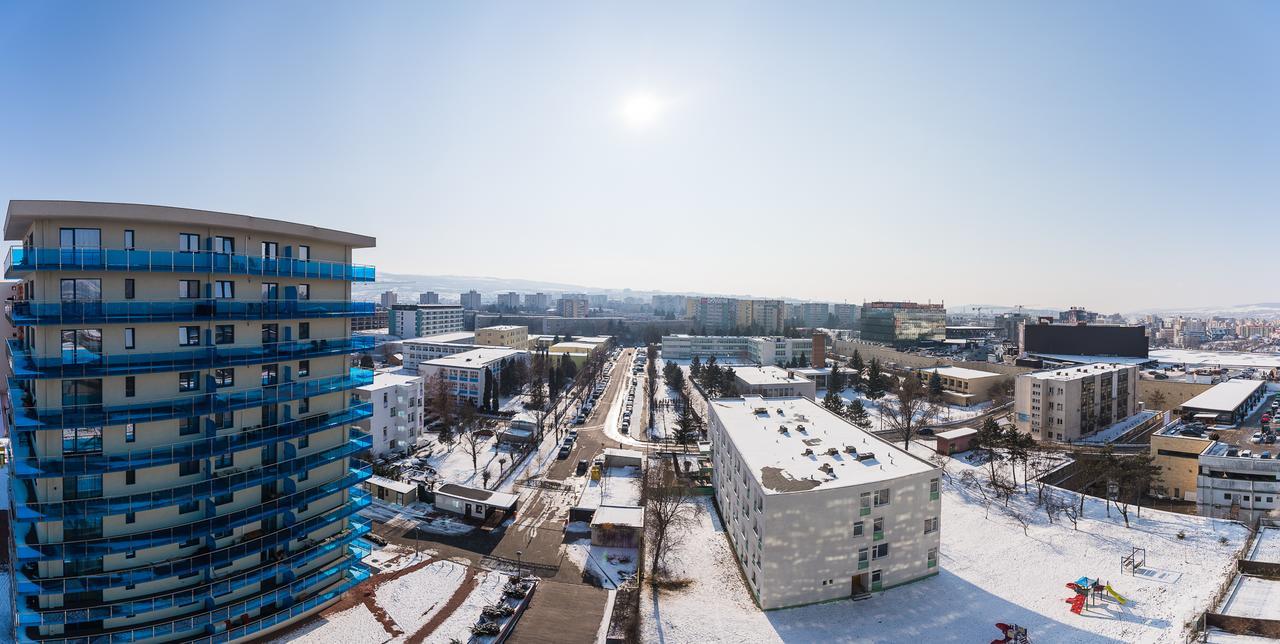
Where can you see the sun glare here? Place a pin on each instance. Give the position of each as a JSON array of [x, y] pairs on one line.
[[642, 109]]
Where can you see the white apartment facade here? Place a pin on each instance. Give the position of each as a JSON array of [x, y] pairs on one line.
[[1235, 483], [817, 509], [1068, 404], [396, 424], [464, 372], [736, 348], [419, 350], [418, 320]]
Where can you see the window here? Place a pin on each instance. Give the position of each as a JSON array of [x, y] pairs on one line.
[[188, 381], [864, 504], [188, 468], [130, 386], [882, 497], [78, 528], [304, 291], [81, 290], [128, 239], [270, 250], [857, 529], [304, 330], [189, 242], [224, 377], [188, 289], [86, 391], [129, 291], [130, 338], [130, 433], [304, 442], [224, 289], [130, 477], [224, 245], [932, 560], [303, 475], [933, 488], [270, 333], [304, 368], [304, 252], [270, 374], [81, 487], [876, 577], [80, 346], [188, 336], [270, 291], [864, 558], [82, 440], [877, 528], [131, 517], [880, 551], [224, 334], [931, 525], [304, 406], [225, 460], [77, 238], [223, 499], [188, 426]]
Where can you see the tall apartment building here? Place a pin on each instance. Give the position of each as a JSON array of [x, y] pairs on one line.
[[509, 301], [663, 304], [397, 401], [761, 316], [378, 319], [572, 306], [846, 315], [182, 422], [417, 320], [388, 299], [903, 322], [1072, 403], [598, 300], [814, 314], [713, 314], [537, 302], [430, 297], [816, 508], [470, 300]]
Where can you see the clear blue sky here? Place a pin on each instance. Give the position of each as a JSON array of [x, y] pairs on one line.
[[1110, 155]]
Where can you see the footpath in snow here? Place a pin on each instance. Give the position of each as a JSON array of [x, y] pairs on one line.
[[990, 572]]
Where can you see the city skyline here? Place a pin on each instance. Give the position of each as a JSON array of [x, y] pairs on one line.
[[1043, 150]]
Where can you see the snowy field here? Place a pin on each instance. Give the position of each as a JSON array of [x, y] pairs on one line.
[[991, 572], [1253, 597], [1266, 546], [614, 565]]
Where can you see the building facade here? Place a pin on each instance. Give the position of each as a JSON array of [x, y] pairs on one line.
[[430, 297], [388, 299], [396, 424], [572, 307], [903, 322], [419, 350], [417, 320], [183, 423], [1235, 483], [504, 335], [816, 508], [962, 386], [509, 301], [537, 302], [1065, 405], [470, 300], [464, 373]]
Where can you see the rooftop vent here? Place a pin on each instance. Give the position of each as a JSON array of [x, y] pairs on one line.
[[807, 452], [866, 456], [800, 428], [832, 451], [826, 467], [782, 429], [850, 449], [780, 412], [762, 410]]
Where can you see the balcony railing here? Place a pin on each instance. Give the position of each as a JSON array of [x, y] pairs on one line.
[[30, 548], [28, 417], [31, 614], [22, 259], [206, 625], [28, 581], [28, 510], [39, 312], [28, 465], [85, 364]]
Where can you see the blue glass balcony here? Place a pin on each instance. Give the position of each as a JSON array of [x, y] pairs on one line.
[[22, 260], [205, 558], [28, 510], [39, 312], [30, 613], [28, 417], [29, 548], [27, 465], [84, 364], [215, 622]]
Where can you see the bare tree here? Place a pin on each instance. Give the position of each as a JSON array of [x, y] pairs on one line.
[[472, 442], [1157, 399], [910, 412], [1001, 393], [440, 401], [669, 511]]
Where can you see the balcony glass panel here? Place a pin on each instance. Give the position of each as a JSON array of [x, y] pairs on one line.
[[91, 258], [40, 312]]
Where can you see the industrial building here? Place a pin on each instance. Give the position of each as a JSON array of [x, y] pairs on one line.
[[1226, 403], [771, 381]]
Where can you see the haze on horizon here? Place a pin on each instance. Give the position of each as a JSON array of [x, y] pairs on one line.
[[1114, 156]]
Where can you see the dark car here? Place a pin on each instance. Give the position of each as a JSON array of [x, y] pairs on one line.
[[564, 451], [582, 466]]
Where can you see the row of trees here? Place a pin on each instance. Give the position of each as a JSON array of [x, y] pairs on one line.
[[716, 381]]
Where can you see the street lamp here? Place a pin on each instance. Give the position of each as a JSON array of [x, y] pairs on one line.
[[520, 564]]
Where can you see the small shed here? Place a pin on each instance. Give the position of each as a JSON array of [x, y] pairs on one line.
[[616, 457], [473, 502], [617, 526], [392, 491], [955, 440]]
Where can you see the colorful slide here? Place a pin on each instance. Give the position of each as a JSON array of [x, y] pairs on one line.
[[1111, 591], [1077, 603]]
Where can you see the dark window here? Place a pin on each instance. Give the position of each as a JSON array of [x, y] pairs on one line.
[[224, 377], [270, 374], [223, 419], [304, 330], [270, 333], [69, 238], [188, 336], [82, 487], [188, 468], [223, 499], [82, 440], [224, 334], [189, 242], [81, 290], [225, 460], [130, 386], [188, 289], [270, 291], [82, 392], [304, 368], [304, 406], [130, 477], [189, 381], [188, 426], [129, 292], [130, 517], [79, 528]]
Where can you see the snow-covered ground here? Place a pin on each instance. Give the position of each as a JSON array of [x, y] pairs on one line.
[[991, 572], [488, 591], [411, 600], [1253, 597], [1117, 430], [612, 565], [1266, 546], [1195, 358]]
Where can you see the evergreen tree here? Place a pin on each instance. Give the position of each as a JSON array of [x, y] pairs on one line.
[[935, 387], [728, 385], [856, 367], [695, 366], [835, 380], [857, 414], [833, 402], [567, 368], [876, 384]]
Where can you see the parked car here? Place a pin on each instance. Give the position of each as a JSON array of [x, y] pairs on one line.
[[564, 451], [583, 465], [1257, 437], [572, 435]]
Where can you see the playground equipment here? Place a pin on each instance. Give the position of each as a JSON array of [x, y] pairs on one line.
[[1087, 590], [1013, 634], [1131, 562]]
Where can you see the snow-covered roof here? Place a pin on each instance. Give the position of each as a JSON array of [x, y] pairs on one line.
[[403, 488], [766, 376], [384, 379], [1072, 373], [797, 459], [473, 359], [452, 337], [618, 486], [1226, 396], [1216, 358], [623, 516], [488, 497], [1084, 359], [503, 327], [961, 372], [961, 432]]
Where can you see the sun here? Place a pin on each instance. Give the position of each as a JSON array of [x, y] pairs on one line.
[[642, 109]]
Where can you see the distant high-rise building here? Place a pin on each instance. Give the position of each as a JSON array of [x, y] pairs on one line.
[[714, 314], [903, 322], [430, 297], [846, 315], [572, 307], [537, 302], [470, 300], [509, 301], [1077, 315], [598, 300], [814, 314], [664, 304], [417, 320], [388, 299]]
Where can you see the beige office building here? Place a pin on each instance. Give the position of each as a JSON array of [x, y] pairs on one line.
[[1069, 404], [504, 335]]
